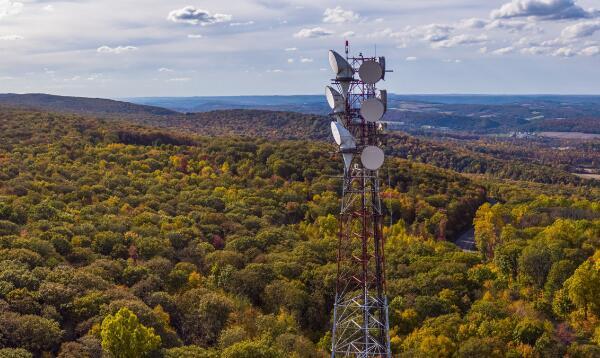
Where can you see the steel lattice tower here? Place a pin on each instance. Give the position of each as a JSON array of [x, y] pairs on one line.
[[360, 319]]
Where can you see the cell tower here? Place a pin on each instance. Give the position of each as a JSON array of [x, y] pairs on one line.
[[360, 318]]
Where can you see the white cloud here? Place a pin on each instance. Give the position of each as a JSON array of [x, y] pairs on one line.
[[275, 71], [338, 15], [9, 7], [164, 69], [49, 8], [290, 49], [449, 60], [247, 23], [536, 50], [543, 9], [460, 40], [290, 60], [472, 23], [193, 16], [525, 42], [306, 60], [557, 42], [315, 32], [179, 79], [411, 58], [564, 52], [504, 51], [348, 34], [195, 36], [511, 26], [582, 29], [11, 38], [389, 33], [590, 51], [116, 50], [94, 76], [433, 32]]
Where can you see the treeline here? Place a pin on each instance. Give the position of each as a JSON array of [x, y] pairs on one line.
[[455, 157], [565, 155], [585, 125]]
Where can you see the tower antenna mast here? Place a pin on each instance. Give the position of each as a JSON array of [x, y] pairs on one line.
[[360, 318]]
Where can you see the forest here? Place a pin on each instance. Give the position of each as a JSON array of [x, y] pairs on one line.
[[132, 239]]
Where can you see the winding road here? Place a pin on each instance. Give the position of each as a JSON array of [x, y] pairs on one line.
[[466, 240]]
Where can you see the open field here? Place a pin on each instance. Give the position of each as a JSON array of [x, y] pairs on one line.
[[589, 176], [569, 135]]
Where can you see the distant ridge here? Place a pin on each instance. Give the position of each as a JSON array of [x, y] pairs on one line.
[[294, 116], [316, 103], [80, 105], [245, 122], [301, 103]]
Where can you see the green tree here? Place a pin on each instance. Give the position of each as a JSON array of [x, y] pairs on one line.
[[125, 337], [584, 286], [558, 274], [189, 352], [15, 353], [535, 263], [251, 349], [34, 333]]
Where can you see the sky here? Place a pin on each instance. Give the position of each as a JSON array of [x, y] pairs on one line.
[[125, 48]]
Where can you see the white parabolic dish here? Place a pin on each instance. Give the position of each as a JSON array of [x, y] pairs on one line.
[[372, 110], [342, 136], [335, 99], [372, 157], [340, 66], [370, 72]]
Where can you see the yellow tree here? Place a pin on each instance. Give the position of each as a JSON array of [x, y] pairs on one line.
[[584, 286], [125, 337]]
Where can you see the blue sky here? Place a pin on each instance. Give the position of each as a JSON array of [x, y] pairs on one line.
[[124, 48]]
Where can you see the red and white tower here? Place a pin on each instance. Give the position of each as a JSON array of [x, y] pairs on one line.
[[360, 319]]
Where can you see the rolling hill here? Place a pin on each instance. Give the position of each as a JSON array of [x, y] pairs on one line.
[[81, 105]]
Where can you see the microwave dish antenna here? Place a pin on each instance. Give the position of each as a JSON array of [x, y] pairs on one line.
[[342, 136], [335, 100], [372, 110], [371, 72], [372, 157]]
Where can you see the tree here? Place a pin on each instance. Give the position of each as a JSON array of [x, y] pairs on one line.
[[584, 286], [15, 353], [535, 263], [189, 352], [125, 337], [251, 349], [491, 347], [204, 315], [528, 331], [558, 274], [506, 258], [488, 222], [34, 333]]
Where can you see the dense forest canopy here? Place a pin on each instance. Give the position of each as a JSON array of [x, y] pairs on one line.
[[129, 241]]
